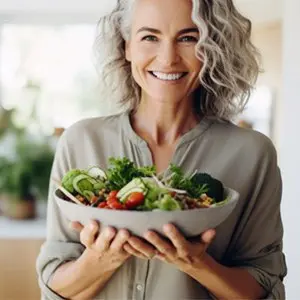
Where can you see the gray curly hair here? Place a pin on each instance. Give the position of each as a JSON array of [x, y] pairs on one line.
[[230, 60]]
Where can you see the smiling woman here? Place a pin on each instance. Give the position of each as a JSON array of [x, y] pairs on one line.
[[184, 68], [223, 46]]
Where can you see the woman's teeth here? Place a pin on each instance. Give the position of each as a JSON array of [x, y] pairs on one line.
[[169, 76]]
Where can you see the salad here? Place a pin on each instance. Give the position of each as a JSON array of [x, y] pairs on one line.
[[124, 186]]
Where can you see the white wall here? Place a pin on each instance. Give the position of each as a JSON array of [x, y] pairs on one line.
[[57, 11], [257, 10], [290, 143], [268, 39], [55, 6]]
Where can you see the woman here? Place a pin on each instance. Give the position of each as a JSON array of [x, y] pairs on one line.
[[184, 68]]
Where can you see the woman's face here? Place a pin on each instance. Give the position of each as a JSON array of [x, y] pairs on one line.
[[162, 49]]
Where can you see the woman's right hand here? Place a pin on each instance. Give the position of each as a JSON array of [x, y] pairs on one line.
[[107, 246]]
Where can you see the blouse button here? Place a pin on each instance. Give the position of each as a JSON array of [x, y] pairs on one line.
[[139, 287]]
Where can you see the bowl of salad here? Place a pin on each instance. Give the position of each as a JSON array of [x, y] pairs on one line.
[[138, 199]]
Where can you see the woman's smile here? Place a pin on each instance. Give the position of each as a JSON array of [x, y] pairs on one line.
[[168, 78]]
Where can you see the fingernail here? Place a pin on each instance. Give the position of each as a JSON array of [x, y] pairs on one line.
[[108, 233], [167, 228]]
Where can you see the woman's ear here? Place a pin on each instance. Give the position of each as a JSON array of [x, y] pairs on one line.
[[127, 51]]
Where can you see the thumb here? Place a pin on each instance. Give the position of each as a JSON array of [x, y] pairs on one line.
[[208, 236], [76, 226]]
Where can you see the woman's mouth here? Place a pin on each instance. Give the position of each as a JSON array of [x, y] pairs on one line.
[[168, 76]]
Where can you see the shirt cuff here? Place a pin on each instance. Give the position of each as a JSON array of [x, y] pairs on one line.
[[272, 284]]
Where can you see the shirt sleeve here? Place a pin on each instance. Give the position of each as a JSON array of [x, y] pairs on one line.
[[61, 243], [256, 245]]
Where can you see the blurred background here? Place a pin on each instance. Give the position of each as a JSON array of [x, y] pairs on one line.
[[48, 81]]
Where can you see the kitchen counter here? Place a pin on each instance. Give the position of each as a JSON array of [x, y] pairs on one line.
[[24, 229]]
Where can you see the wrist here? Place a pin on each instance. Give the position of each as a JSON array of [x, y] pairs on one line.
[[203, 268], [197, 264]]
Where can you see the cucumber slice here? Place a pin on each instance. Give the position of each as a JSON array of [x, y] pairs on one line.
[[96, 172], [81, 177], [88, 194], [136, 183], [99, 185], [128, 192]]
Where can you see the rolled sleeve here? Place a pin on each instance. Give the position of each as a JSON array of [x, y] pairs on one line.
[[272, 284], [52, 255], [269, 272], [257, 242], [62, 243]]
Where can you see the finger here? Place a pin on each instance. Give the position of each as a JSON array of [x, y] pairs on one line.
[[104, 239], [142, 247], [208, 236], [161, 245], [88, 233], [178, 240], [120, 239], [76, 226], [127, 247]]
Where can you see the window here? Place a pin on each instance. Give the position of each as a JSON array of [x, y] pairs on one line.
[[48, 74], [259, 111]]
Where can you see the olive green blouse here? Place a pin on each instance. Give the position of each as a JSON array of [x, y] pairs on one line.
[[251, 237]]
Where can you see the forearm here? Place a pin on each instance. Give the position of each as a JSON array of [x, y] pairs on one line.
[[83, 278], [94, 289], [224, 282]]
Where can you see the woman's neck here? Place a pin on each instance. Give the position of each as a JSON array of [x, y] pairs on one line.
[[162, 123]]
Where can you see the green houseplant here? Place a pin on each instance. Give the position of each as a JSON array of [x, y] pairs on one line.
[[25, 178], [26, 165]]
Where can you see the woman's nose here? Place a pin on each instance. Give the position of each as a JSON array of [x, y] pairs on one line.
[[167, 54]]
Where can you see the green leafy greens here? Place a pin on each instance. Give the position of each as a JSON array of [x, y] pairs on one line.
[[122, 171]]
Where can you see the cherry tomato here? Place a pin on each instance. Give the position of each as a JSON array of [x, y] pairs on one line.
[[102, 204], [135, 199], [111, 200], [116, 205], [113, 194]]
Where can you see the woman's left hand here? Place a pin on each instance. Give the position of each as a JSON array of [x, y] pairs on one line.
[[178, 251]]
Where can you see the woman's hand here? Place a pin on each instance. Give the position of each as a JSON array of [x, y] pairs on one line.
[[108, 245], [178, 251]]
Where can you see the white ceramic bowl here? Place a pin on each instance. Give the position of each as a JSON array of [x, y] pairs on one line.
[[191, 222]]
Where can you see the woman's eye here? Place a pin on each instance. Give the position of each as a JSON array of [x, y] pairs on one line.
[[150, 38], [188, 39]]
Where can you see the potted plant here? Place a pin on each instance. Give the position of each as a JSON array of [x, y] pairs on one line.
[[25, 178]]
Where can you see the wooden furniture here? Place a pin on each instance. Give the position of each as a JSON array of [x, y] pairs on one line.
[[18, 279], [20, 242]]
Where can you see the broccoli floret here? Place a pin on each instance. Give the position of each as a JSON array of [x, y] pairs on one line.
[[215, 188], [67, 181]]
